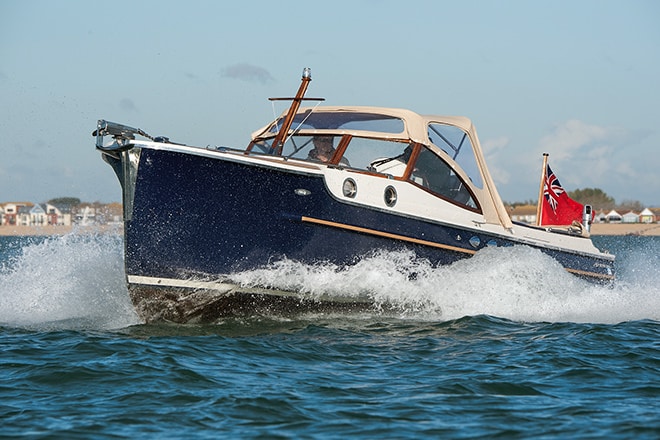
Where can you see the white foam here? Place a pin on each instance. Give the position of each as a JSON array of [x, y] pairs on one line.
[[71, 281], [77, 281], [516, 283]]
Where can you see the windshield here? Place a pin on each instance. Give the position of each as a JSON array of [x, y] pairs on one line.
[[361, 153], [309, 120], [456, 143]]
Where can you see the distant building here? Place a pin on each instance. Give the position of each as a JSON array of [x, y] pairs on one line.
[[613, 217], [23, 215], [601, 217], [37, 216], [656, 213], [28, 214], [85, 216], [630, 217], [523, 214], [56, 216], [64, 216], [11, 213], [110, 214], [647, 216]]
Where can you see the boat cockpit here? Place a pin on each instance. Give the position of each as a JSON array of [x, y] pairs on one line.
[[373, 142]]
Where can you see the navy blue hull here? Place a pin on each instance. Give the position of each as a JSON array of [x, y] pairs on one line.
[[199, 216]]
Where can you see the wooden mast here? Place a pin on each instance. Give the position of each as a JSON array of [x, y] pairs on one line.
[[539, 205], [278, 143]]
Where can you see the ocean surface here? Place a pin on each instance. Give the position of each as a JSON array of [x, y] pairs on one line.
[[504, 345]]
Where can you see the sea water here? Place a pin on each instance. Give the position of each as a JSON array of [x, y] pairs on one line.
[[503, 345]]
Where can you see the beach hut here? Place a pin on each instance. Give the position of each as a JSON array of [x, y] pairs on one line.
[[613, 217], [656, 213], [646, 216], [630, 217], [524, 213]]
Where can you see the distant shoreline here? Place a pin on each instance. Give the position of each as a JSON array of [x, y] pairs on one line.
[[17, 231], [625, 229], [596, 229]]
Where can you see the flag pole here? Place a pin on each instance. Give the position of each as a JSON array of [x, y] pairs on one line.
[[539, 205]]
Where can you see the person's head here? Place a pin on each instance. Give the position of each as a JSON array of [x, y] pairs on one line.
[[323, 144]]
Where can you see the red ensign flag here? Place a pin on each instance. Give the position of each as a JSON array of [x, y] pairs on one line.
[[558, 208]]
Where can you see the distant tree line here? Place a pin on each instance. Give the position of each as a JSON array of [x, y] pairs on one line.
[[65, 202], [595, 197], [73, 202]]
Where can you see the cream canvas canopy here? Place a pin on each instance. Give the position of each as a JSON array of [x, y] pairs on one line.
[[415, 128]]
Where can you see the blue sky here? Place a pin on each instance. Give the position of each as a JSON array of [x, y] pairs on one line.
[[577, 79]]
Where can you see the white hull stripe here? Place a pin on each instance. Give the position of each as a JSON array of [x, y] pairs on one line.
[[227, 288], [188, 284]]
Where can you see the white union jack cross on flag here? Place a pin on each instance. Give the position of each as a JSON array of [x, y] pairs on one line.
[[552, 189]]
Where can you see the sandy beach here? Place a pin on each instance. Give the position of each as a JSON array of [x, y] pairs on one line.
[[596, 229], [625, 229], [6, 230]]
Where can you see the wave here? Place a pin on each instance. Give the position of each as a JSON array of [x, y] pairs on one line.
[[66, 282], [516, 283], [77, 281]]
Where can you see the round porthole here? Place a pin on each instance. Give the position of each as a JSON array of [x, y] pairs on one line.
[[390, 196], [349, 188], [475, 241]]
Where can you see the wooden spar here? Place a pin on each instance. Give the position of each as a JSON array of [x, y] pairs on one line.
[[278, 143], [539, 205]]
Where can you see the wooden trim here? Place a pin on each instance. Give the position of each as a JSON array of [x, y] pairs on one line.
[[317, 221], [386, 235], [590, 274], [340, 148]]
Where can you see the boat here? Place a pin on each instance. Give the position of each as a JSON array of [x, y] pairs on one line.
[[318, 184]]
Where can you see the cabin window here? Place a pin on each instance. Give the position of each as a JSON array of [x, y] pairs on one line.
[[456, 143], [380, 156], [433, 173]]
